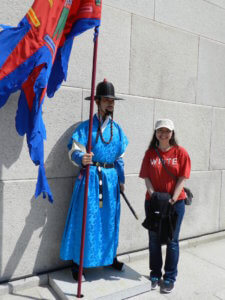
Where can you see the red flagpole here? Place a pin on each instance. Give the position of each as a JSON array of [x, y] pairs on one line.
[[88, 166]]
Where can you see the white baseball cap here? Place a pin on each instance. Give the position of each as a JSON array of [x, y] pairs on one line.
[[167, 123]]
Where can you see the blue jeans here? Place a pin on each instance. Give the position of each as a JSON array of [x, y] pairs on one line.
[[172, 249]]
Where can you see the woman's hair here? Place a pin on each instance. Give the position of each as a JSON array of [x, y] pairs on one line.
[[155, 143]]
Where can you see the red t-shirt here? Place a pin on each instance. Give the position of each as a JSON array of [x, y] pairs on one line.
[[177, 161]]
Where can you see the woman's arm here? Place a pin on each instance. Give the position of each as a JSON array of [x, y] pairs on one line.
[[178, 188], [149, 186]]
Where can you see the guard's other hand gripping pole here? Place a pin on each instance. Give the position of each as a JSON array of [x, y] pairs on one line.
[[88, 166]]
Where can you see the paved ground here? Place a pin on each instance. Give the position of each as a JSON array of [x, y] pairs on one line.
[[39, 292], [201, 276]]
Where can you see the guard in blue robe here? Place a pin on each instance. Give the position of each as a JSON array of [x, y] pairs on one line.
[[106, 178]]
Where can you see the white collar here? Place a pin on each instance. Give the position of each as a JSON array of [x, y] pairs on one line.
[[105, 123]]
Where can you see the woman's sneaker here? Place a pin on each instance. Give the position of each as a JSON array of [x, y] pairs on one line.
[[154, 283], [167, 286]]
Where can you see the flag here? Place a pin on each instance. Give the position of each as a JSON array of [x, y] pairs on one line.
[[34, 59]]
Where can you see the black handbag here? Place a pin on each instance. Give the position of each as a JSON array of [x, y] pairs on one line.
[[189, 195]]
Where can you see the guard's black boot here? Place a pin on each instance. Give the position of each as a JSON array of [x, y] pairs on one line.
[[117, 265], [75, 271]]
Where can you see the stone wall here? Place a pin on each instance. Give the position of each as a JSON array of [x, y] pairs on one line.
[[167, 58]]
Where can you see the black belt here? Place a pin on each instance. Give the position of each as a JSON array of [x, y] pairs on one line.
[[103, 165], [100, 165]]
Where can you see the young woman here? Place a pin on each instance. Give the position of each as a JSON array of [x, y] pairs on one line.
[[157, 179]]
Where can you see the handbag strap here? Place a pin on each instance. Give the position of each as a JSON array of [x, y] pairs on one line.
[[164, 165]]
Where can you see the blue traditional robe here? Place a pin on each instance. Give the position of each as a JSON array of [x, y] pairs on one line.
[[102, 224]]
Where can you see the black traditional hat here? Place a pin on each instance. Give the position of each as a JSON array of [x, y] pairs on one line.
[[105, 89]]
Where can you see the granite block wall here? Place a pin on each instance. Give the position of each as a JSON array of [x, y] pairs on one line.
[[167, 59]]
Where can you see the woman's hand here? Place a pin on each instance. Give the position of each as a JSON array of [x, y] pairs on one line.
[[178, 188], [87, 158], [172, 201]]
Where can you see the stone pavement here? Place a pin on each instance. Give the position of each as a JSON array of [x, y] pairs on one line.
[[201, 276]]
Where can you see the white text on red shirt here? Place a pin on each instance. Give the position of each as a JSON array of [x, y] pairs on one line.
[[168, 161]]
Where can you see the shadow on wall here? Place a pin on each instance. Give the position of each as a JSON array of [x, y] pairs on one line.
[[10, 148], [44, 225]]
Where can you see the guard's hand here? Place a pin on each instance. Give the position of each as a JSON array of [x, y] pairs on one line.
[[122, 187], [87, 158]]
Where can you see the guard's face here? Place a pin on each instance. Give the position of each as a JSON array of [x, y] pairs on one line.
[[107, 105]]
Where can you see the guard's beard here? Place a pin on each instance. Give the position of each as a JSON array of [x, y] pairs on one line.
[[108, 112]]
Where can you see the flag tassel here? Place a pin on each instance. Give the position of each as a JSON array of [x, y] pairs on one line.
[[42, 184]]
